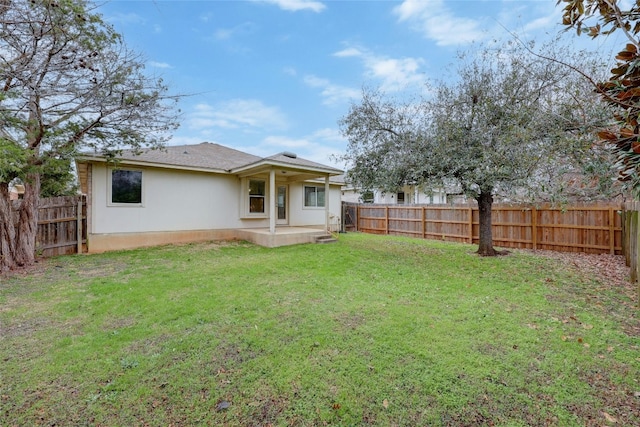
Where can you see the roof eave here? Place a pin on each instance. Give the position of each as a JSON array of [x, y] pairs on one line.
[[289, 166], [128, 162]]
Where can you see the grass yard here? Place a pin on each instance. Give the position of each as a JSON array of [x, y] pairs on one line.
[[371, 330]]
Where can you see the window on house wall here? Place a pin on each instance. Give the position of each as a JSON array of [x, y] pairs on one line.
[[257, 193], [126, 186], [367, 197], [313, 196], [400, 198]]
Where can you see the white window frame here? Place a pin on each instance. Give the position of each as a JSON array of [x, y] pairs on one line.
[[110, 201], [246, 198], [304, 196]]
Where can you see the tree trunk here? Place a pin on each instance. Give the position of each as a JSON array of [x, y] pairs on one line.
[[7, 230], [485, 202], [25, 250], [18, 229]]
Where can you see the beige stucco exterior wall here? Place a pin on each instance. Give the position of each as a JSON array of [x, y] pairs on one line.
[[172, 201], [301, 216]]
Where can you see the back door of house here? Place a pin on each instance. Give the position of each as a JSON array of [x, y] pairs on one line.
[[282, 205]]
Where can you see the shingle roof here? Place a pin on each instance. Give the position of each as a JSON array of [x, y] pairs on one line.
[[294, 161], [214, 157], [205, 155]]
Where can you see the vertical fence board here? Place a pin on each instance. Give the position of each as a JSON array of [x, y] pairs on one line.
[[61, 225]]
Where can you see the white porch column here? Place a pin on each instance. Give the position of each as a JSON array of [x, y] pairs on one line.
[[272, 201], [326, 202]]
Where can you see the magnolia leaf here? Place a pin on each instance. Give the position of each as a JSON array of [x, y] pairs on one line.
[[607, 135]]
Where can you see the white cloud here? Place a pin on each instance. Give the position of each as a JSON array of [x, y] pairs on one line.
[[394, 74], [286, 142], [186, 140], [321, 146], [206, 17], [329, 135], [245, 114], [437, 22], [297, 5], [332, 93], [348, 52], [159, 64], [529, 18], [290, 71], [246, 28], [127, 18]]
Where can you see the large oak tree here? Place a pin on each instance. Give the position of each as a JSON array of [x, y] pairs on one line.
[[506, 116], [67, 82]]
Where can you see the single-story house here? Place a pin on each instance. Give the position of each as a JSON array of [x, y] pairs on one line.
[[407, 195], [206, 192], [16, 191]]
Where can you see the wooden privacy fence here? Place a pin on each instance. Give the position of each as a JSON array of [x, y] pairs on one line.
[[631, 238], [585, 228], [61, 225]]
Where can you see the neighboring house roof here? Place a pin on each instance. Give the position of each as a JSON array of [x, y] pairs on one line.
[[15, 191], [215, 158]]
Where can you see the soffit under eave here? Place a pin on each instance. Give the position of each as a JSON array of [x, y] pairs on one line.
[[82, 173], [288, 177], [290, 174], [265, 166]]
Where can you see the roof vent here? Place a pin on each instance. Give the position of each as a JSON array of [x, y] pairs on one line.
[[290, 155]]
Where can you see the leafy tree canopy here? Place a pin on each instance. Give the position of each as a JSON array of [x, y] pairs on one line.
[[68, 83], [506, 118]]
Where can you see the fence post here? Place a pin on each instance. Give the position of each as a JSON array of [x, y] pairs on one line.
[[633, 246], [534, 228], [612, 233], [424, 222], [386, 220], [623, 238], [636, 239], [79, 224], [626, 235], [470, 213]]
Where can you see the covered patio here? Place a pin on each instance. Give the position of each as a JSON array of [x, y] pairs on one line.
[[282, 235]]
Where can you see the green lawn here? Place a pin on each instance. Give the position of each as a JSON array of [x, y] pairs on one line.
[[368, 331]]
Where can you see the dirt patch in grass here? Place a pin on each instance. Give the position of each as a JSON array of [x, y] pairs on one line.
[[350, 321], [264, 411], [621, 407], [611, 289]]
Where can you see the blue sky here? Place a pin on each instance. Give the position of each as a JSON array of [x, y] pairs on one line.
[[266, 76]]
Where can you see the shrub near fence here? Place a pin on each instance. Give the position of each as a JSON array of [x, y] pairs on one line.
[[584, 228]]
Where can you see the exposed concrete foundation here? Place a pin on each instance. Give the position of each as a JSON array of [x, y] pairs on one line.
[[283, 236], [98, 243]]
